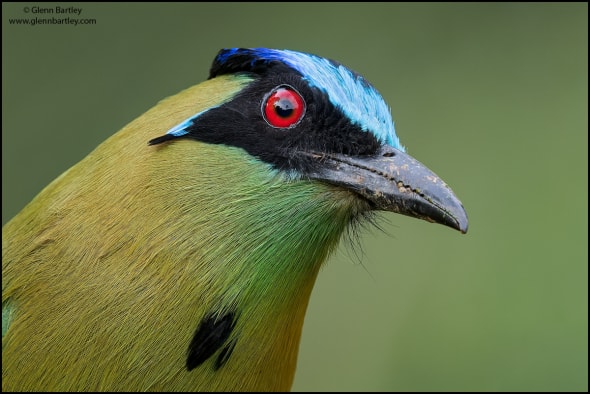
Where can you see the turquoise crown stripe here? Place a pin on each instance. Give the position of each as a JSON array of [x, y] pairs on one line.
[[350, 92]]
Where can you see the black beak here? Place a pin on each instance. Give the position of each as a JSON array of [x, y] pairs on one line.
[[394, 181]]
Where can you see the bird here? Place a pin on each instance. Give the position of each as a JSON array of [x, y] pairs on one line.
[[180, 254]]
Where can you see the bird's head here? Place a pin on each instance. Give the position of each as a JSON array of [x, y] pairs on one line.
[[190, 265], [314, 119]]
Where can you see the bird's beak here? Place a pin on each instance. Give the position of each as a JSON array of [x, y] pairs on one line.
[[394, 181]]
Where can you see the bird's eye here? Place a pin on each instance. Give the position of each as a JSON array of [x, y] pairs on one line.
[[283, 107]]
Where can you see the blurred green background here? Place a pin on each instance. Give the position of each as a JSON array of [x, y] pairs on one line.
[[492, 97]]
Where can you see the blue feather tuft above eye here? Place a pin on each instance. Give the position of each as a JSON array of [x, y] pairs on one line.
[[350, 92]]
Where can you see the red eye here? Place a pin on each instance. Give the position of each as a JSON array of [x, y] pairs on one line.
[[284, 107]]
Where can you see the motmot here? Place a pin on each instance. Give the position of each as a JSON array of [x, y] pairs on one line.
[[181, 253]]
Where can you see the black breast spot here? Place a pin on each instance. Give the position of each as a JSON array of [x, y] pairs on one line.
[[211, 334], [224, 355]]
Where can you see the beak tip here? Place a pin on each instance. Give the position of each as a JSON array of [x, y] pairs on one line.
[[461, 221], [463, 228]]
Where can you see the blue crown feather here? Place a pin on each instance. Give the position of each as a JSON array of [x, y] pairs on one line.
[[346, 90]]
